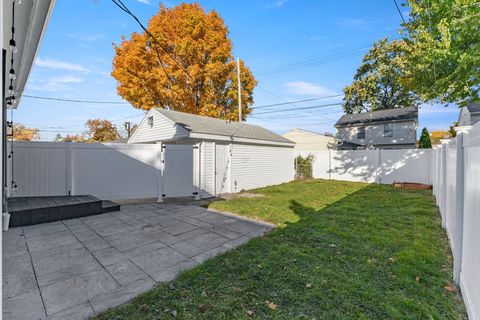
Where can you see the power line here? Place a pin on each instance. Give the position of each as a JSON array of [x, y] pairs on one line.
[[124, 8], [399, 11], [74, 100], [303, 108], [297, 101], [315, 62]]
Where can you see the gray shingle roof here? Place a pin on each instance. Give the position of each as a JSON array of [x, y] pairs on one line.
[[200, 124], [410, 113], [474, 107]]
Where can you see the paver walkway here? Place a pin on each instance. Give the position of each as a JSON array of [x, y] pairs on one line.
[[74, 268]]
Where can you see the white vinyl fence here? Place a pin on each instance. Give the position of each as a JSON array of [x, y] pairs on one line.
[[456, 186], [380, 166], [107, 171]]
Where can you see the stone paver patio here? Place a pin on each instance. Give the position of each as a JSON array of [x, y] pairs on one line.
[[73, 269]]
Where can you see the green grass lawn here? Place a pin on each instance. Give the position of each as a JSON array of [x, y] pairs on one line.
[[342, 250]]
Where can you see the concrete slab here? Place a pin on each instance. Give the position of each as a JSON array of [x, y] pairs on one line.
[[84, 266]]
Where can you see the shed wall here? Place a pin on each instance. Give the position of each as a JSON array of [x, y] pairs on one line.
[[255, 166], [207, 171], [161, 130]]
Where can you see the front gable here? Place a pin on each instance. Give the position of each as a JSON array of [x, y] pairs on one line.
[[156, 127]]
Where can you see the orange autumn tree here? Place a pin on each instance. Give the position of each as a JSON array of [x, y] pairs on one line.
[[99, 130], [152, 74], [24, 133]]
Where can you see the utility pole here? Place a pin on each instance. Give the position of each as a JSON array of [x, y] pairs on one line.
[[127, 126], [239, 92]]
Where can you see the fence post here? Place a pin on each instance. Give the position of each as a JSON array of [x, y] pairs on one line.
[[329, 164], [159, 167], [196, 170], [459, 206], [378, 172], [443, 183], [69, 169]]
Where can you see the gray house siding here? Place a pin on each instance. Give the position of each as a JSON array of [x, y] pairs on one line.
[[469, 115], [402, 137]]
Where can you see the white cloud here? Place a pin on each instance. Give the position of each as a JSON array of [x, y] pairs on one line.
[[276, 4], [87, 38], [355, 23], [60, 65], [144, 1], [63, 83], [307, 89]]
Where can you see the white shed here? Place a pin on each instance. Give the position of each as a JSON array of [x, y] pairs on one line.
[[204, 156]]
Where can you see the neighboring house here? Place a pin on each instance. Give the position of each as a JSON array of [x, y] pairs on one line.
[[385, 129], [310, 141], [469, 115], [230, 156]]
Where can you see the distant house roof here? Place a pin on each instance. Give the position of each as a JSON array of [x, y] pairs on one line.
[[473, 107], [398, 114], [206, 125], [122, 140]]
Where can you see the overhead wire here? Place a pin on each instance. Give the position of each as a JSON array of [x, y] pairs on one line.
[[124, 8], [74, 100]]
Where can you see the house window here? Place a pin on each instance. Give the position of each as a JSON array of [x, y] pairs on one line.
[[150, 121], [388, 130], [361, 133]]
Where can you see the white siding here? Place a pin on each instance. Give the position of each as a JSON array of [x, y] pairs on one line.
[[309, 141], [162, 130], [255, 166], [207, 171]]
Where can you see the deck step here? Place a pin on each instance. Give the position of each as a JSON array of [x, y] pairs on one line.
[[27, 211], [110, 206]]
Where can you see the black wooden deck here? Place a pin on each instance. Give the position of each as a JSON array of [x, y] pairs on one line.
[[26, 211]]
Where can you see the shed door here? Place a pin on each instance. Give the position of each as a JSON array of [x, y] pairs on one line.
[[178, 171], [222, 181]]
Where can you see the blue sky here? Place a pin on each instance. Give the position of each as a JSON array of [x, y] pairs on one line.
[[75, 57]]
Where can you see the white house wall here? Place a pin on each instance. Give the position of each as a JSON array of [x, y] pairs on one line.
[[403, 133], [255, 166], [309, 141], [162, 130]]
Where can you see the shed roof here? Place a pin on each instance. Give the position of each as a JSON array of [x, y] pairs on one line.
[[199, 124], [397, 114], [473, 107]]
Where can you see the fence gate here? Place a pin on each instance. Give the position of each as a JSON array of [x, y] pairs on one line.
[[178, 170]]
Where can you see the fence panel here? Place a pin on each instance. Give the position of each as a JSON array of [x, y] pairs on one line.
[[355, 165], [321, 163], [470, 264], [39, 169], [115, 171], [107, 171], [382, 166], [409, 165]]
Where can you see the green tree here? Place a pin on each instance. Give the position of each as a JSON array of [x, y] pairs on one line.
[[425, 142], [377, 83], [443, 50]]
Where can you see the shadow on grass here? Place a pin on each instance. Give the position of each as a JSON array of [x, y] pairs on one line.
[[376, 253]]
